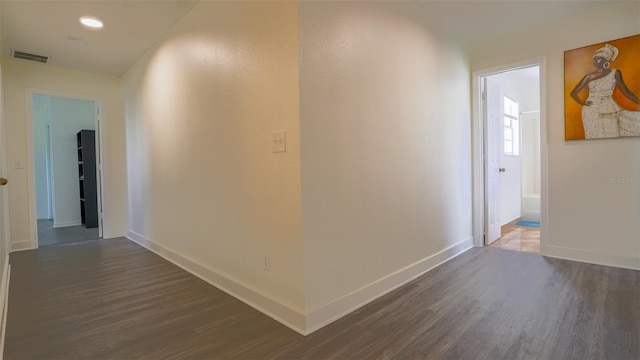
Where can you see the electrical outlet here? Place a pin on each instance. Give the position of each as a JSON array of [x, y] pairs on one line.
[[279, 141], [267, 263]]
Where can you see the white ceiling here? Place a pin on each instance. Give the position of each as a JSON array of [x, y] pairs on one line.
[[134, 26], [478, 20], [131, 28]]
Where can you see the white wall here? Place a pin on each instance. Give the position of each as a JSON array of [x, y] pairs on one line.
[[22, 75], [385, 134], [40, 140], [530, 153], [591, 217], [205, 190], [68, 117], [531, 166], [385, 165]]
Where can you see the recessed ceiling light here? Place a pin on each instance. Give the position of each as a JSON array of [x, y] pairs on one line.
[[91, 22]]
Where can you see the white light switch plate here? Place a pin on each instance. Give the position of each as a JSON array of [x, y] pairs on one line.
[[279, 141]]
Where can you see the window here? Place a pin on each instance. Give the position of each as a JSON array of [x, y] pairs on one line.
[[511, 128]]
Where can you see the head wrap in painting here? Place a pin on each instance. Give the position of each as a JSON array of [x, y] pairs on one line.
[[608, 52]]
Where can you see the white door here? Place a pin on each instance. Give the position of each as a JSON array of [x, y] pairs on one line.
[[510, 159], [493, 114], [4, 196]]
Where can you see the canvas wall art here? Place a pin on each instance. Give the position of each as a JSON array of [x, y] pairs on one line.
[[602, 90]]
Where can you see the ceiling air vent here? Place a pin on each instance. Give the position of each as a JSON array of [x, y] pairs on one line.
[[16, 54]]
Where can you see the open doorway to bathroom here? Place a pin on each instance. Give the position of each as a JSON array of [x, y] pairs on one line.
[[66, 163], [511, 102]]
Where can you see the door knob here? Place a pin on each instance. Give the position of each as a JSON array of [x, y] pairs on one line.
[[502, 169], [3, 181]]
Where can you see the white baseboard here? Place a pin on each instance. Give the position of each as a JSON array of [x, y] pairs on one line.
[[270, 307], [4, 297], [621, 261], [20, 245], [59, 224], [344, 305], [300, 322]]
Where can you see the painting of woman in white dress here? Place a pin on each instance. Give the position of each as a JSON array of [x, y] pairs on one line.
[[609, 108]]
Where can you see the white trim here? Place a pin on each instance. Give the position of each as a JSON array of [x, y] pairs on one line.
[[287, 316], [544, 160], [31, 179], [477, 143], [478, 152], [20, 246], [66, 223], [620, 261], [31, 166], [4, 302], [356, 299], [99, 190], [50, 214]]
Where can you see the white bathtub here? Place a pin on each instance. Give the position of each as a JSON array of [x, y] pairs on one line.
[[531, 207]]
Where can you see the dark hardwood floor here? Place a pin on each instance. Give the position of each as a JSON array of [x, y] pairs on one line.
[[112, 299]]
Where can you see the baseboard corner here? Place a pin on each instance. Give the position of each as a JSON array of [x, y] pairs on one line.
[[305, 323], [285, 315], [325, 315], [20, 246]]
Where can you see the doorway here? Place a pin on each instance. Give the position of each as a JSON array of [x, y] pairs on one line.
[[66, 158], [509, 158]]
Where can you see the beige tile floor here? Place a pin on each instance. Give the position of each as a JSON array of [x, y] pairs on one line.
[[519, 238]]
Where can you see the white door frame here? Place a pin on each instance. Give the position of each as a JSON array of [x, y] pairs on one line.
[[5, 232], [478, 139], [31, 180]]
